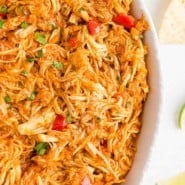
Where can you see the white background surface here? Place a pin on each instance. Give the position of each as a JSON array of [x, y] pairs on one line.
[[168, 154]]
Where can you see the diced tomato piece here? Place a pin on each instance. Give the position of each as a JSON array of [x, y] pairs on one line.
[[86, 181], [127, 21], [73, 41], [59, 123], [93, 27], [3, 16]]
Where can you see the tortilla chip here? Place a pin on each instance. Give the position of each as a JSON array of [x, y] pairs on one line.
[[172, 30]]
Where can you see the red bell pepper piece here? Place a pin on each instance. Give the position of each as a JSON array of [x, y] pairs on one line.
[[93, 27], [127, 21], [73, 41], [59, 123]]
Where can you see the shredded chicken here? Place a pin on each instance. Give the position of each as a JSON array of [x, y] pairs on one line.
[[70, 99]]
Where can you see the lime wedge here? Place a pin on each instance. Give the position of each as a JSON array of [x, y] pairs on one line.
[[178, 180], [181, 118]]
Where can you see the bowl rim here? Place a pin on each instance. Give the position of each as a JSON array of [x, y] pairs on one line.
[[152, 107]]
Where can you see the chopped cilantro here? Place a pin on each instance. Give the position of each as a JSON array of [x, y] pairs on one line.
[[7, 99], [24, 25], [40, 53], [3, 9], [32, 96], [40, 38], [41, 148], [30, 59], [1, 23], [58, 65]]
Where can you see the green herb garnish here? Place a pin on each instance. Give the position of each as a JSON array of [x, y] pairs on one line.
[[3, 9], [7, 99], [40, 53], [30, 59], [24, 25], [40, 38], [41, 148], [32, 96], [58, 65], [1, 23]]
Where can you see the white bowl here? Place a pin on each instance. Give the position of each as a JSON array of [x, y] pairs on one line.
[[152, 105]]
